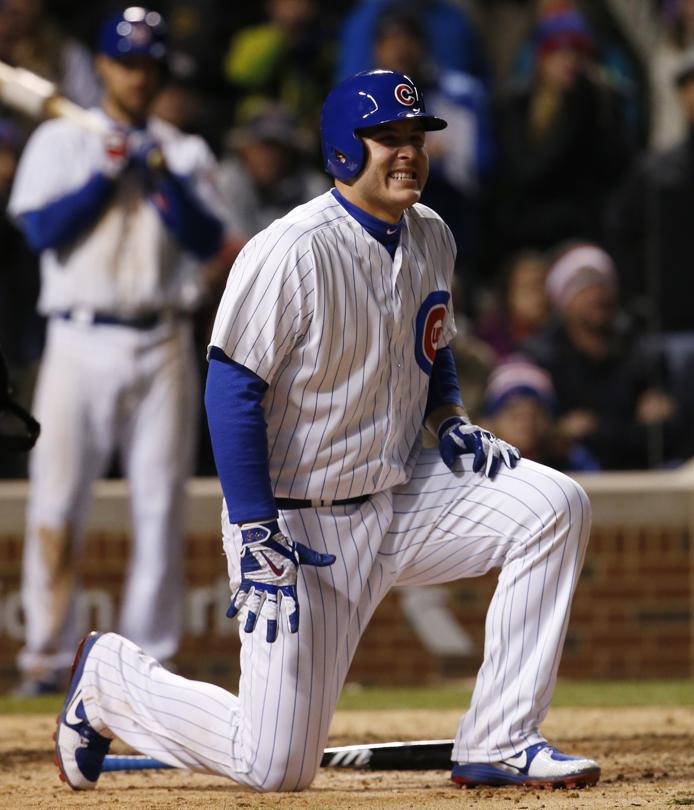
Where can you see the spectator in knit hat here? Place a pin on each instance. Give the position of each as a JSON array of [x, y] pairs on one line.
[[562, 139], [520, 405], [610, 390], [612, 54]]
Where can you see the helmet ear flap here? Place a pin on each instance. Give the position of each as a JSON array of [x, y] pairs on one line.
[[345, 163]]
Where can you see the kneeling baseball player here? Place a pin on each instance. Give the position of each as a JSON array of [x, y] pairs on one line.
[[328, 355]]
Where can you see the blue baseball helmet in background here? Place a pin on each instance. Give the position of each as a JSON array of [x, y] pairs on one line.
[[135, 31], [366, 100]]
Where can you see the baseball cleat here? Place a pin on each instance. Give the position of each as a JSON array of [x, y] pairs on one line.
[[79, 749], [540, 765]]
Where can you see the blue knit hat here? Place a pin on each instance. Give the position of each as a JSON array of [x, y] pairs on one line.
[[518, 376]]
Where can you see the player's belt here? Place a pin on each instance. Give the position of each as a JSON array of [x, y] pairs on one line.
[[146, 321], [298, 503]]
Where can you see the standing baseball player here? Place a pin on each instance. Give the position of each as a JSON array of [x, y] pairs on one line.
[[328, 356], [121, 222]]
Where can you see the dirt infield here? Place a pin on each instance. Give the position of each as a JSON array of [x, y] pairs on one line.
[[647, 756]]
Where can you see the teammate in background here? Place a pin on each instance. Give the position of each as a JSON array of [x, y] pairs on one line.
[[118, 222], [328, 356]]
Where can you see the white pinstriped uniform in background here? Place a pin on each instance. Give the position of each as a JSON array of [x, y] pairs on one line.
[[316, 308], [103, 388]]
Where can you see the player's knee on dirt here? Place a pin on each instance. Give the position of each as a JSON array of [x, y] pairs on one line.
[[288, 771], [279, 784]]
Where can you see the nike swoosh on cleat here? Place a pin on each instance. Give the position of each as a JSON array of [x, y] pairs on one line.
[[71, 716], [276, 570], [519, 762]]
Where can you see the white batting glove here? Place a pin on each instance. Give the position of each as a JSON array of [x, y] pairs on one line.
[[458, 436], [116, 153], [269, 566]]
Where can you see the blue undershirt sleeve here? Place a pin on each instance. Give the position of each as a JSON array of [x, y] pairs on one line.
[[444, 388], [196, 228], [63, 220], [233, 401]]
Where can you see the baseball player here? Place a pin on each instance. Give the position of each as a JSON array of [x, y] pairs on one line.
[[328, 355], [121, 222]]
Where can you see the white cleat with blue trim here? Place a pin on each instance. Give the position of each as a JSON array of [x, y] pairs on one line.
[[540, 765], [79, 749]]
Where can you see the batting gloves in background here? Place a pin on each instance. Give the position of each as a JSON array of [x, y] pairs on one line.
[[458, 436], [121, 149], [145, 151], [269, 567]]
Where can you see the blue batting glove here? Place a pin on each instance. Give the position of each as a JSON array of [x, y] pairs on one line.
[[458, 436], [269, 565]]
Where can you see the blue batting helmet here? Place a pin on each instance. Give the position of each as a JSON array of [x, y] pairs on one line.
[[135, 31], [366, 100]]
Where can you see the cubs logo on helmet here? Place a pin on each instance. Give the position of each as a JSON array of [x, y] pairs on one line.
[[366, 100], [429, 326], [406, 94]]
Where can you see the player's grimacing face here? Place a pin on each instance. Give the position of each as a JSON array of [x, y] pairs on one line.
[[395, 171]]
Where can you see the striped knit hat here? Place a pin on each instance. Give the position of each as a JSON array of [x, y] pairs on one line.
[[518, 375], [578, 268]]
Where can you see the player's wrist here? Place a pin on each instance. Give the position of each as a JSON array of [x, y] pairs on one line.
[[450, 423], [259, 531], [447, 415]]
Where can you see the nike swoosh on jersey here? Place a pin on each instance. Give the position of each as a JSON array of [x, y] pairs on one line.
[[391, 231], [276, 570]]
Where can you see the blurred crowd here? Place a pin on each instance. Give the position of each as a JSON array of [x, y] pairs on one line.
[[566, 175]]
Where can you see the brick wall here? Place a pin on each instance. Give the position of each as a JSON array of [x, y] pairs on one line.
[[632, 614]]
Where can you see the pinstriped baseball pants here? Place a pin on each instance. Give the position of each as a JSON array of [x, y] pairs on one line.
[[532, 522]]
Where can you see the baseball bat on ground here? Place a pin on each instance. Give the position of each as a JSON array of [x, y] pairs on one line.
[[416, 755], [38, 98]]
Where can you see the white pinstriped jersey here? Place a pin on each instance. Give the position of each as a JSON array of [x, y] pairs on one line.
[[128, 261], [344, 336]]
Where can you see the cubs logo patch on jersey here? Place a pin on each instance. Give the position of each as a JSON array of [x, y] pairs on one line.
[[429, 325]]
